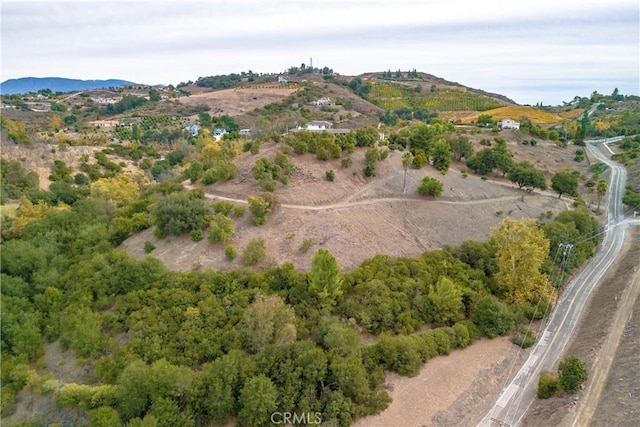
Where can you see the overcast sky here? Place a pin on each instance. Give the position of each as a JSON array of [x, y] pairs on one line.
[[531, 51]]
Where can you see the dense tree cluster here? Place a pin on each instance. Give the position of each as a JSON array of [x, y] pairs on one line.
[[206, 347]]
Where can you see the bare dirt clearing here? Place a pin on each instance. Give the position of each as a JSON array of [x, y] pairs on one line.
[[454, 390], [239, 100], [355, 217]]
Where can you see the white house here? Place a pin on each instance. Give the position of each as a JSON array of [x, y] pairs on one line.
[[193, 129], [509, 124], [323, 102], [245, 132], [218, 133], [104, 123], [319, 125], [282, 80]]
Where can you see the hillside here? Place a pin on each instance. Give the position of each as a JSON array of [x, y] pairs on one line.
[[218, 274], [56, 84], [536, 115]]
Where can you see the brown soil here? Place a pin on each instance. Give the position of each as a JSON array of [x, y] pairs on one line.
[[357, 217], [592, 343], [237, 101], [455, 390]]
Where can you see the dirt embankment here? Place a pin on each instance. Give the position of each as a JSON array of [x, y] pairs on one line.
[[592, 343]]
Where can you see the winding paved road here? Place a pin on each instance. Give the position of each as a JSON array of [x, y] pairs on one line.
[[518, 395]]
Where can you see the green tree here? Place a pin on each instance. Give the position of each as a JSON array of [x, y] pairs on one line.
[[482, 162], [254, 252], [485, 120], [571, 374], [430, 187], [407, 160], [260, 209], [268, 320], [502, 157], [221, 229], [461, 147], [258, 401], [154, 95], [492, 316], [441, 154], [445, 302], [601, 190], [527, 176], [178, 213], [565, 183], [325, 281], [104, 416]]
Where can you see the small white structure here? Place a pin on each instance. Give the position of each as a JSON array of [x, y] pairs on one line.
[[282, 80], [324, 101], [193, 129], [509, 124], [104, 123], [245, 132], [219, 133], [319, 125]]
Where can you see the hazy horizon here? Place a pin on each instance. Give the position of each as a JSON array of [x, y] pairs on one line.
[[546, 51]]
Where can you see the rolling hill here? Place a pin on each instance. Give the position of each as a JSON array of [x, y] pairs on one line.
[[56, 84]]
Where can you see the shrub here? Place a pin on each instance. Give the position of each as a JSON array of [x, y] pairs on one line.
[[238, 210], [462, 337], [370, 169], [221, 229], [430, 187], [524, 339], [306, 245], [547, 385], [259, 208], [254, 252], [492, 316], [346, 162], [330, 175], [148, 247], [571, 374], [196, 235], [230, 252]]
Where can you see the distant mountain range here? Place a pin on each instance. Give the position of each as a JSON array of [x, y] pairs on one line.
[[56, 84]]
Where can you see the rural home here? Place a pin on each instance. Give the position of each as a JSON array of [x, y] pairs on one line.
[[509, 124], [245, 132], [218, 133], [324, 101], [319, 125], [104, 123], [282, 80], [192, 129]]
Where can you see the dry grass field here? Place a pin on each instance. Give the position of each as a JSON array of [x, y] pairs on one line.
[[515, 112], [357, 217]]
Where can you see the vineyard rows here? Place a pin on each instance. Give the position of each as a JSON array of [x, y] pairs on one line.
[[393, 96]]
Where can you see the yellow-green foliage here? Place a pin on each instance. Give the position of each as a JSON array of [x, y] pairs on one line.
[[16, 130], [392, 96], [28, 212], [516, 112]]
